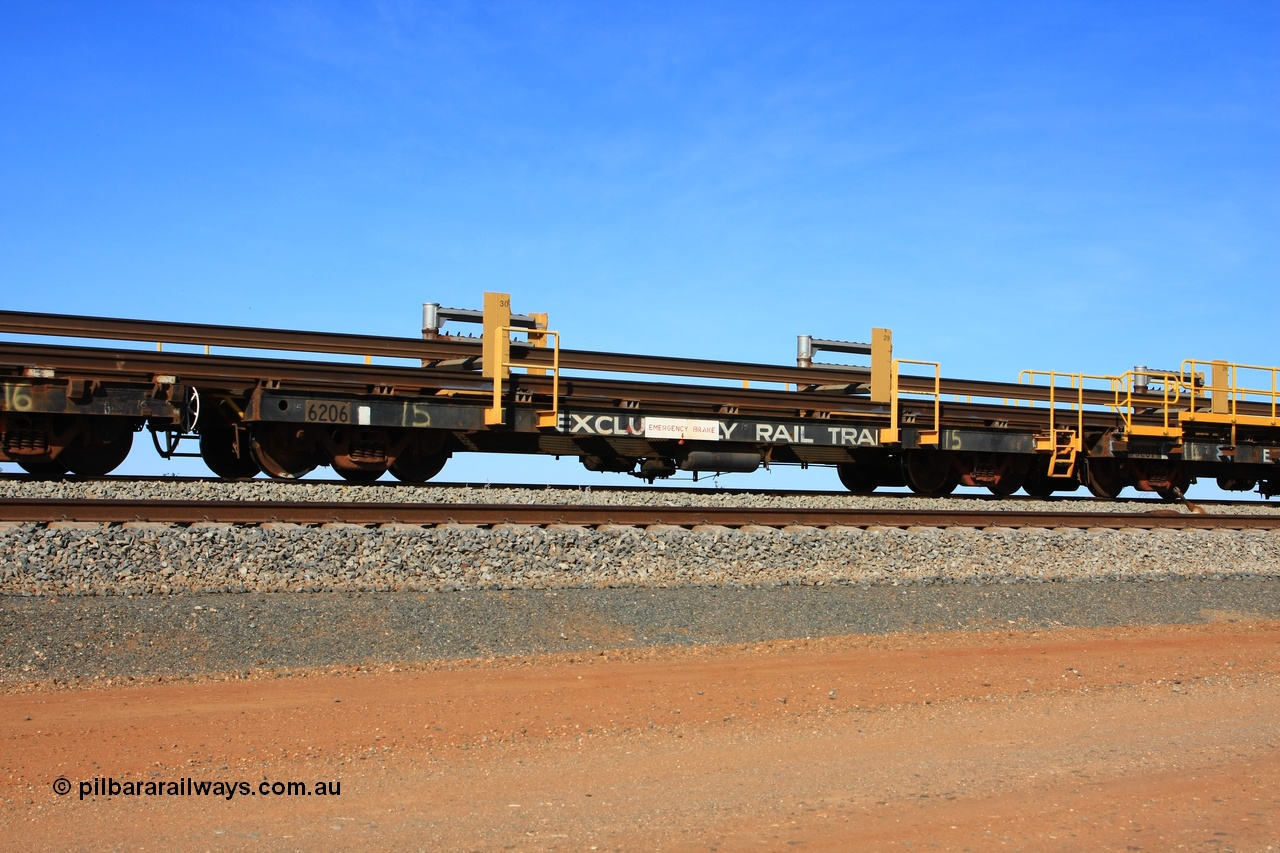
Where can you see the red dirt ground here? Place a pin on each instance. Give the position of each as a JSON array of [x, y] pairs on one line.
[[1121, 739]]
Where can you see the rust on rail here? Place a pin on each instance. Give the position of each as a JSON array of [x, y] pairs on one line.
[[48, 510]]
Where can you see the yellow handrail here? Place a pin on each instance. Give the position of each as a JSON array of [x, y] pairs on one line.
[[1225, 392], [891, 435], [545, 419], [1171, 394]]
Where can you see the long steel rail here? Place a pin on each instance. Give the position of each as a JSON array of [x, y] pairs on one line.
[[448, 348], [46, 510], [243, 372], [435, 349]]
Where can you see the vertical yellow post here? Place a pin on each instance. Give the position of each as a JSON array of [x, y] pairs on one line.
[[538, 338], [881, 365], [1220, 404], [496, 348], [891, 434]]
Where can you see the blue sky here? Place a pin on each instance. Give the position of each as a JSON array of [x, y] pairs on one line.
[[1078, 186]]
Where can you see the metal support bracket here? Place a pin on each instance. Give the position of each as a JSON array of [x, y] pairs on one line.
[[495, 348]]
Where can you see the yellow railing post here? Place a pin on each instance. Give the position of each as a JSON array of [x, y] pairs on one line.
[[1221, 398], [538, 338], [893, 435], [545, 418], [495, 349], [551, 418], [883, 380]]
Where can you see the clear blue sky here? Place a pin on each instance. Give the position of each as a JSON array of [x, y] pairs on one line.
[[1078, 186]]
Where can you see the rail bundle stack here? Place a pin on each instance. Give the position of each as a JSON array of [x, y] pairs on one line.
[[68, 407]]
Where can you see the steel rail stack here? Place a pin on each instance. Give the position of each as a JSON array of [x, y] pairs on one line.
[[71, 407]]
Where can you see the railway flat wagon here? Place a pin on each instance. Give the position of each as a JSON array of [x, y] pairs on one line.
[[367, 405]]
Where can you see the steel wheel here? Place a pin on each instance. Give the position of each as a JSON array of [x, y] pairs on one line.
[[1177, 490], [218, 449], [1010, 478], [358, 475], [853, 477], [91, 455], [1005, 486], [929, 473], [416, 467], [280, 453], [1038, 483], [1104, 479], [43, 467]]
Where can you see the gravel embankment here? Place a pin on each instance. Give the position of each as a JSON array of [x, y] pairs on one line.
[[269, 490], [92, 559]]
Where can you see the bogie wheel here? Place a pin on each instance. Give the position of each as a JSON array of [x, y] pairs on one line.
[[1038, 483], [1177, 491], [1104, 479], [854, 479], [1004, 487], [416, 467], [359, 475], [929, 473], [1010, 479], [281, 454], [218, 449], [95, 455], [43, 467]]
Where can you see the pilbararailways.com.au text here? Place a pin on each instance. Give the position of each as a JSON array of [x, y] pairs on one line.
[[187, 787]]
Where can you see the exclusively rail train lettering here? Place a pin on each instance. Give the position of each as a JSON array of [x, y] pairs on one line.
[[760, 432]]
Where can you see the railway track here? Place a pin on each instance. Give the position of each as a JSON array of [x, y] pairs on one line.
[[23, 481], [371, 513]]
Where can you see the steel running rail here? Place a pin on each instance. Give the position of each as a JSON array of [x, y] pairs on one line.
[[454, 350], [443, 348], [47, 510]]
